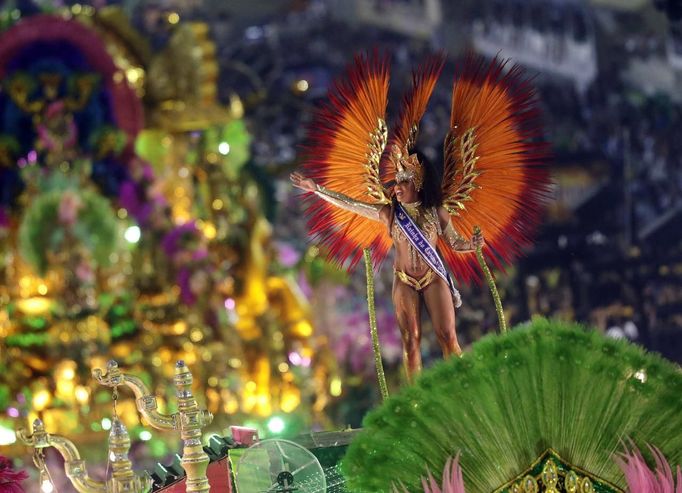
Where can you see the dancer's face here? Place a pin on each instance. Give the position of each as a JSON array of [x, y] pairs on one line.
[[405, 192]]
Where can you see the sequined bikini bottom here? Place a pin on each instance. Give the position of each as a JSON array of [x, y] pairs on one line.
[[418, 284]]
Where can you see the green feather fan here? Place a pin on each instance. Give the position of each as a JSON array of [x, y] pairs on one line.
[[545, 385]]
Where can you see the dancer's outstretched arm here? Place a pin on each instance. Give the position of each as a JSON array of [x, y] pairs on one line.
[[376, 212]]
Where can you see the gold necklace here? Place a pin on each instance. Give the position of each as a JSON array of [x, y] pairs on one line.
[[412, 209]]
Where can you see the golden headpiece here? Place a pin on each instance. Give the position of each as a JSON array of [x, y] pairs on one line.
[[408, 167]]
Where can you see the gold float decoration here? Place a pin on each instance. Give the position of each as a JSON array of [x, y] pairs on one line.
[[123, 478], [189, 420], [550, 473]]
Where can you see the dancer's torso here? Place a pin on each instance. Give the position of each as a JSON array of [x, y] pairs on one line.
[[407, 258]]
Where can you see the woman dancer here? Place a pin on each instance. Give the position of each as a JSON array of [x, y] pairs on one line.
[[493, 177]]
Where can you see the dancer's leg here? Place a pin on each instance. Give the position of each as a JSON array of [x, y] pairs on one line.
[[438, 301], [407, 308]]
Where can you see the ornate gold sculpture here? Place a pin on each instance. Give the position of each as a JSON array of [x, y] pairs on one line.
[[123, 478], [552, 474], [189, 419]]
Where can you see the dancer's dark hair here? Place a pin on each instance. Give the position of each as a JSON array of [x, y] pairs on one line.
[[431, 194]]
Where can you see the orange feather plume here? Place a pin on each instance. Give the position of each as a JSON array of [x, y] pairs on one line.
[[495, 173], [341, 153]]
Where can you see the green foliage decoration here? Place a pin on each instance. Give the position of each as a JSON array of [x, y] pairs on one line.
[[545, 385]]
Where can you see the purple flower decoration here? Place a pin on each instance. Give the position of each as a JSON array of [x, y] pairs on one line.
[[131, 199], [288, 255], [183, 280], [354, 344], [172, 243]]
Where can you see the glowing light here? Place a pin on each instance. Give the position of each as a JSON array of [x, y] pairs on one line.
[[230, 304], [13, 412], [42, 289], [145, 435], [303, 329], [134, 74], [179, 328], [68, 372], [640, 375], [7, 436], [283, 367], [295, 359], [122, 213], [302, 85], [276, 425], [41, 399], [46, 486], [82, 395], [173, 18], [217, 204], [231, 406], [34, 306], [224, 148], [209, 231], [106, 424], [335, 387], [132, 234], [290, 401]]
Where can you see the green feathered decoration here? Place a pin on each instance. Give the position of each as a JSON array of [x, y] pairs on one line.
[[545, 385], [40, 231]]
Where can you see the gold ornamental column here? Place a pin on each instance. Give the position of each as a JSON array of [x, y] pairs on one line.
[[189, 420]]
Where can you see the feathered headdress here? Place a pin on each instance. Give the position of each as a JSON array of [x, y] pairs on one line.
[[408, 167]]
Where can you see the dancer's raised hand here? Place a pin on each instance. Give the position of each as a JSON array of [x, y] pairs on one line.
[[300, 181]]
